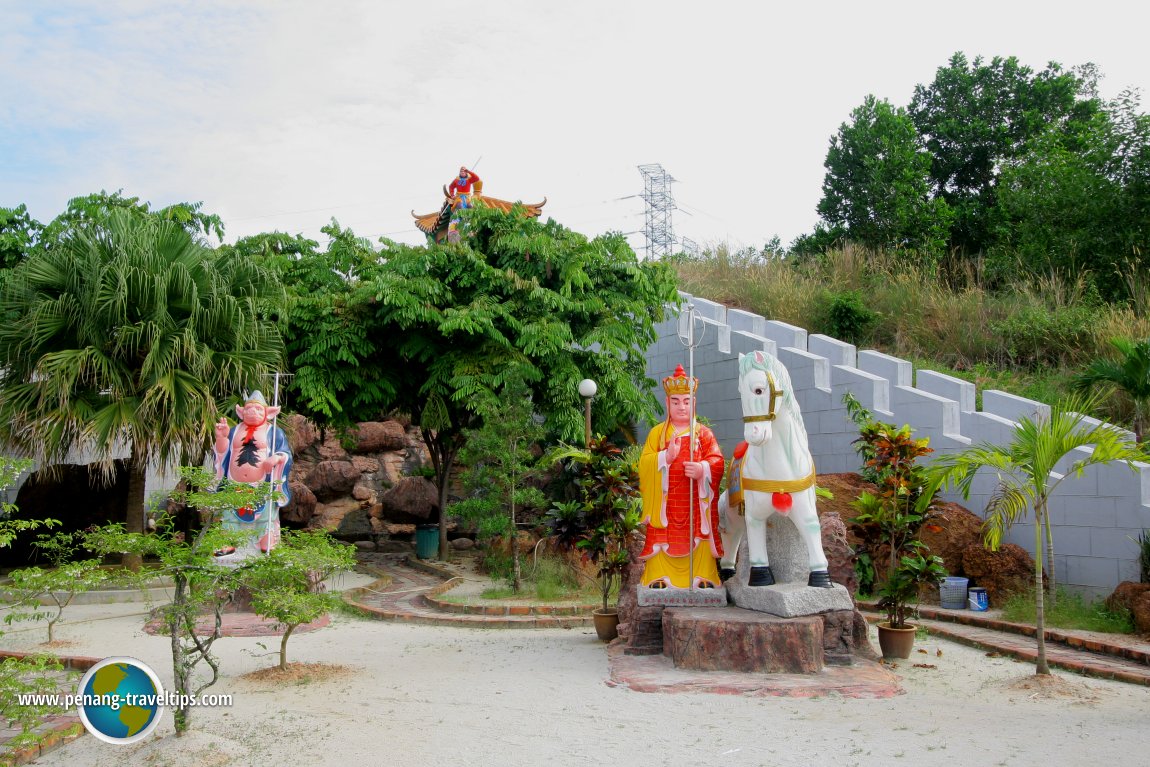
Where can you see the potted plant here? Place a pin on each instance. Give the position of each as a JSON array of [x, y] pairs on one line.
[[893, 517], [899, 592], [602, 519]]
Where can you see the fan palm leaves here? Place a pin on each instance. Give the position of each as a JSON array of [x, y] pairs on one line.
[[124, 335], [1130, 374], [1025, 470]]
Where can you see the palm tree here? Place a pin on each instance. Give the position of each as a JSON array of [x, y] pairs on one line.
[[1026, 480], [1131, 374], [123, 334]]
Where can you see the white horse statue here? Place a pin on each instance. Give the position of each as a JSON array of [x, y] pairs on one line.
[[773, 473]]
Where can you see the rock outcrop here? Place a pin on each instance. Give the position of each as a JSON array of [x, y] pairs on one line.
[[359, 482], [1132, 598]]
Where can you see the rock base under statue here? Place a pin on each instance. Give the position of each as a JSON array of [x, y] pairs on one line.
[[733, 639], [740, 640]]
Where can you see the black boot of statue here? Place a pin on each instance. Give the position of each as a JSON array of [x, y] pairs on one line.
[[820, 579], [726, 573], [761, 576]]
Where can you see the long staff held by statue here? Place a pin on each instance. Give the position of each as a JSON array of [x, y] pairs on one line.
[[277, 469], [691, 342]]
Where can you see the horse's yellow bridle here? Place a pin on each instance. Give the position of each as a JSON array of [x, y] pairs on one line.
[[776, 392]]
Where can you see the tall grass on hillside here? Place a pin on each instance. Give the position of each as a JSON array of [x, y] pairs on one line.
[[1030, 337]]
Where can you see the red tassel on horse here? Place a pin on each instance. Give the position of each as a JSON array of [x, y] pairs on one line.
[[781, 501]]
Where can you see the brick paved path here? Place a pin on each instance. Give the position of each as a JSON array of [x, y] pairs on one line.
[[402, 596], [1107, 656]]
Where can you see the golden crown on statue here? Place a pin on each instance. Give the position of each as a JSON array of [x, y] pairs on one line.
[[679, 383]]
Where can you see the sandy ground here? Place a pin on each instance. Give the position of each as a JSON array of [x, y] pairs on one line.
[[419, 695]]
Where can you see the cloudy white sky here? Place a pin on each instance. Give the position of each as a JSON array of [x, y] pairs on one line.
[[282, 115]]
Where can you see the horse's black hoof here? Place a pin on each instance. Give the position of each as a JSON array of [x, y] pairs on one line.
[[761, 576], [726, 574], [820, 579]]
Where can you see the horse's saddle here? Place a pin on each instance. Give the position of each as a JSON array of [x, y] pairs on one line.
[[735, 478], [780, 489]]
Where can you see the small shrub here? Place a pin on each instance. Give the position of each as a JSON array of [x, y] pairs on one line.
[[848, 318], [1143, 541], [554, 579], [35, 675], [498, 565], [1036, 336]]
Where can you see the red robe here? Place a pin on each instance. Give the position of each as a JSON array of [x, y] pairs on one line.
[[668, 513]]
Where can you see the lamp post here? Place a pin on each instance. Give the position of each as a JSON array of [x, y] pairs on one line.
[[587, 389]]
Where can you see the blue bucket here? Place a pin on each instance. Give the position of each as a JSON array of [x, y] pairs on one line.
[[976, 599], [952, 593]]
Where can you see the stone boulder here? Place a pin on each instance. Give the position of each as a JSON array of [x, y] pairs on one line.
[[332, 447], [302, 505], [331, 479], [366, 464], [840, 555], [301, 433], [1007, 571], [412, 500], [379, 437], [526, 541], [1132, 598], [343, 515]]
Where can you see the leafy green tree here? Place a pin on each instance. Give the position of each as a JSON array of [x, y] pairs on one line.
[[1130, 375], [436, 331], [123, 337], [877, 185], [339, 356], [18, 233], [1080, 203], [500, 457], [519, 297], [1048, 210], [1026, 481], [201, 586], [976, 116], [96, 209], [58, 584], [288, 586]]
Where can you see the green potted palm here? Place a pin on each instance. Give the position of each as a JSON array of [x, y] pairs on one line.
[[602, 519]]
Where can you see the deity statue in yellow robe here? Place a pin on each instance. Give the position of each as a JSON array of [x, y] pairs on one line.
[[679, 484]]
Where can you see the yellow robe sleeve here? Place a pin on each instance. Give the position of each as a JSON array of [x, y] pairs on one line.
[[651, 478]]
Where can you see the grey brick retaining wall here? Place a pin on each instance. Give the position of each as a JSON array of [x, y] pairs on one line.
[[1095, 517]]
